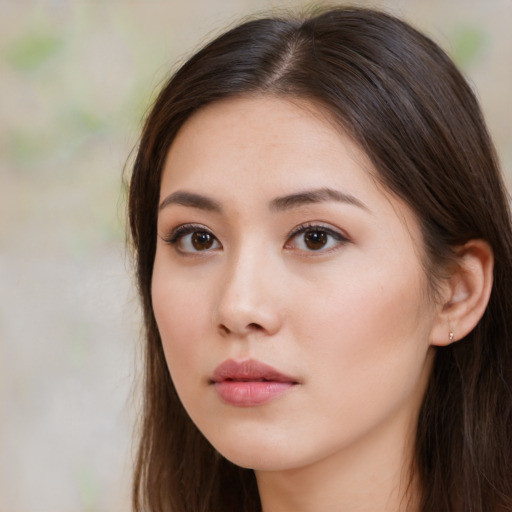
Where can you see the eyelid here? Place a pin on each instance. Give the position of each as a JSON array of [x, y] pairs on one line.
[[337, 234], [178, 232]]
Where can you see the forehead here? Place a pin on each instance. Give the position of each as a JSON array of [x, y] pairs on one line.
[[266, 138], [269, 145]]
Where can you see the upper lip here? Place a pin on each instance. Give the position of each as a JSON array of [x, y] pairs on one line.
[[248, 371]]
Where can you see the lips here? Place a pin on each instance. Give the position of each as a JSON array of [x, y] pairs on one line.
[[249, 383]]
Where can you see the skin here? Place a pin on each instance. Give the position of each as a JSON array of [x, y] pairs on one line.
[[351, 322]]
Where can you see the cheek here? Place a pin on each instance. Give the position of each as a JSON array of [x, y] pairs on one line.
[[366, 305], [182, 318], [367, 336]]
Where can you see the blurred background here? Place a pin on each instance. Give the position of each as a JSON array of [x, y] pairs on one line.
[[76, 78]]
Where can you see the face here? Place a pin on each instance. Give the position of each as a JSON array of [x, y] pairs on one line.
[[287, 288]]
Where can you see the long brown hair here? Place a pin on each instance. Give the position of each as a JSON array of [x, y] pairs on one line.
[[404, 102]]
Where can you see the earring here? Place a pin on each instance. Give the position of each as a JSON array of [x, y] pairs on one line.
[[450, 337]]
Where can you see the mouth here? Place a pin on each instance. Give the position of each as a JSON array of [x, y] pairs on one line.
[[249, 383]]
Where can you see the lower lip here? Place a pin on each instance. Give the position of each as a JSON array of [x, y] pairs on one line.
[[247, 394]]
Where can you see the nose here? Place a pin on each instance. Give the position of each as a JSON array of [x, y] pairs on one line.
[[248, 297]]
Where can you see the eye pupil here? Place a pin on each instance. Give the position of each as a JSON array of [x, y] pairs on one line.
[[315, 239], [202, 240]]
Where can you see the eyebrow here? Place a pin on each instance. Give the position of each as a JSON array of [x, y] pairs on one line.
[[318, 195], [192, 200], [278, 204]]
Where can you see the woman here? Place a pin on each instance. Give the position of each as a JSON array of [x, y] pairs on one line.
[[323, 252]]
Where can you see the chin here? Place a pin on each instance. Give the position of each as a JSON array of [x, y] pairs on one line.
[[259, 461], [259, 454]]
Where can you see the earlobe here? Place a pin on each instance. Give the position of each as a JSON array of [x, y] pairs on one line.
[[466, 293]]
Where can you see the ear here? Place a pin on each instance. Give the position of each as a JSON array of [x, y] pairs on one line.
[[465, 293]]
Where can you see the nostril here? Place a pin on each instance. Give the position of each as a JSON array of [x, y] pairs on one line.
[[223, 329], [252, 327]]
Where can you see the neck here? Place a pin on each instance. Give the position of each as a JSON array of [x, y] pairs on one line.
[[374, 474]]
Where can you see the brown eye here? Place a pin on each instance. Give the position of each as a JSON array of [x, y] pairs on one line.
[[315, 239], [202, 240], [188, 239]]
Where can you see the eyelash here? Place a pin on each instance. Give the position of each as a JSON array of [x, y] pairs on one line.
[[185, 229], [180, 232], [339, 237]]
